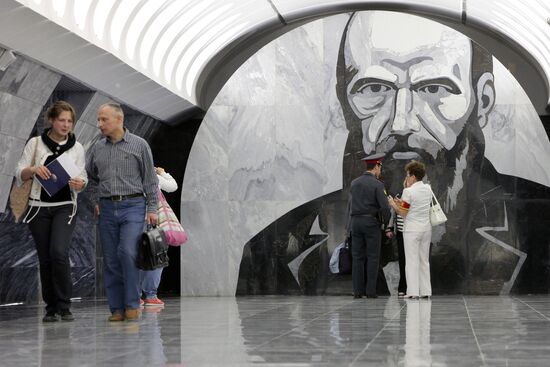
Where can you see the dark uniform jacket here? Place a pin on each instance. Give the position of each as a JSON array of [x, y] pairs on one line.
[[368, 198]]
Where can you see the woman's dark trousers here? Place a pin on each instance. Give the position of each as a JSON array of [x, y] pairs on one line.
[[52, 236]]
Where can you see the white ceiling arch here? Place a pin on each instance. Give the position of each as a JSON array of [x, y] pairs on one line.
[[189, 48], [169, 41]]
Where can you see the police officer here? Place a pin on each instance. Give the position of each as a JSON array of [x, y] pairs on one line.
[[369, 209]]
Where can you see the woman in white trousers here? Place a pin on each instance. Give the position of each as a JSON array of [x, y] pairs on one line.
[[414, 207]]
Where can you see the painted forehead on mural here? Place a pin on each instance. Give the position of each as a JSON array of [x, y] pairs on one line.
[[412, 85]]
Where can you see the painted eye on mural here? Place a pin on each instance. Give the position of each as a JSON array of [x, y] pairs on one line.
[[369, 93], [371, 86], [439, 87], [374, 88]]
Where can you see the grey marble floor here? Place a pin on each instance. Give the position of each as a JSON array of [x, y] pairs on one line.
[[289, 331]]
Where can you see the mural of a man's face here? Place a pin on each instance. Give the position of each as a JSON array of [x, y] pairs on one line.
[[411, 91]]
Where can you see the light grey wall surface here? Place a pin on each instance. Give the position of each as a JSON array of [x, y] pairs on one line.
[[273, 139], [86, 130]]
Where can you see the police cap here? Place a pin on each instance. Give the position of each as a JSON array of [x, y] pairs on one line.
[[374, 158]]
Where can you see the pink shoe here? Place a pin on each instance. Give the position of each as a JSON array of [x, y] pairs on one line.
[[153, 302]]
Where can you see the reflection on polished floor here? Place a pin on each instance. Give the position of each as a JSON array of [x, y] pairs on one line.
[[292, 331]]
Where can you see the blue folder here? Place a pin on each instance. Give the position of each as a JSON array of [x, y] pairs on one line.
[[62, 169]]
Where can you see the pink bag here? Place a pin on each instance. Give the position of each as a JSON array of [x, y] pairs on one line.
[[169, 223]]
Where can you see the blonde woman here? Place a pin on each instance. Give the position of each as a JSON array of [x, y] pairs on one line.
[[51, 218]]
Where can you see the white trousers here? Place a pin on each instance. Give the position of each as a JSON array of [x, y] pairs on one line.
[[417, 262]]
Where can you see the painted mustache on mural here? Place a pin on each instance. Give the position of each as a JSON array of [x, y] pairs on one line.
[[397, 148]]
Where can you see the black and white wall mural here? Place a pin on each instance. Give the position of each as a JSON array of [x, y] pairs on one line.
[[265, 190]]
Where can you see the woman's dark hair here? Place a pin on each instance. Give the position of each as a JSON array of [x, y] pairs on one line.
[[57, 108], [416, 169]]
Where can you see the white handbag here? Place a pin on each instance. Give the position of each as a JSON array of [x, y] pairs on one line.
[[437, 216]]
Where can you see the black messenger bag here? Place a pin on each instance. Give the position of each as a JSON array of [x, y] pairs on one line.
[[152, 250]]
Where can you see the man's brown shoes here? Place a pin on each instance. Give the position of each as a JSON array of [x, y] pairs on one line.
[[116, 316], [132, 314]]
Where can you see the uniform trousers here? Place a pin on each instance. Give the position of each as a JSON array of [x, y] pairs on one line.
[[417, 262], [365, 249]]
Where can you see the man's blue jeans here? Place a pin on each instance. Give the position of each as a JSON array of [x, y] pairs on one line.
[[150, 281], [121, 224]]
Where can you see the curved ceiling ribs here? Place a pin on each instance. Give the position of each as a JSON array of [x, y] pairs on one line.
[[189, 46]]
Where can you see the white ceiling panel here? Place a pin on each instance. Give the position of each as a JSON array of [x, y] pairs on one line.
[[189, 48]]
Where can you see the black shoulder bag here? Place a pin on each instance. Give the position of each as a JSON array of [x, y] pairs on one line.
[[153, 249]]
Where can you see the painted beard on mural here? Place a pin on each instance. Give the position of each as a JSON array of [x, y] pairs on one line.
[[425, 96]]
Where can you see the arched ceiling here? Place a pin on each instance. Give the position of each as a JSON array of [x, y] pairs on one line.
[[185, 50]]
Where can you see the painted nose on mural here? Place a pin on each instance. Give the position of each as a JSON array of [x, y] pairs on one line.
[[405, 120]]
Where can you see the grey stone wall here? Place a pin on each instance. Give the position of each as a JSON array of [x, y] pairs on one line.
[[24, 88]]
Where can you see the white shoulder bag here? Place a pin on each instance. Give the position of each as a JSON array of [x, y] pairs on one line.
[[437, 216]]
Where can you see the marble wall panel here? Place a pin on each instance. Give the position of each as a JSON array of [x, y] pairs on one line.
[[12, 149], [293, 84], [29, 80], [19, 267], [209, 270], [83, 242], [87, 134], [141, 125], [207, 174], [24, 88], [99, 285], [261, 71], [86, 130], [285, 159], [516, 142], [84, 279], [206, 267], [28, 289], [89, 114], [282, 160], [5, 181], [18, 115]]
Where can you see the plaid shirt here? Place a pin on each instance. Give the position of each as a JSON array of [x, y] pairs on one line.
[[123, 168]]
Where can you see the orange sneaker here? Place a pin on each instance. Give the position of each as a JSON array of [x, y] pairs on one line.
[[153, 302]]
